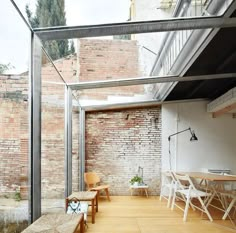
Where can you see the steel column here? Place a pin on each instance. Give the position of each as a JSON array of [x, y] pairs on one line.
[[68, 141], [82, 148], [35, 129]]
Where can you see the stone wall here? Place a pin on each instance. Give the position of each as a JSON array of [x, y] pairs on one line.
[[118, 142]]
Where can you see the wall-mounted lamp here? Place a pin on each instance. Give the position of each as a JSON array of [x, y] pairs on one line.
[[193, 138]]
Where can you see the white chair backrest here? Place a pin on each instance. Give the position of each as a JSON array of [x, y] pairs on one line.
[[168, 177], [184, 181]]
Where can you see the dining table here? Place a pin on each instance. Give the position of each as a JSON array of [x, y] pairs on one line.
[[213, 181]]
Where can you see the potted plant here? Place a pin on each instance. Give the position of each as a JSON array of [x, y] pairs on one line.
[[136, 180]]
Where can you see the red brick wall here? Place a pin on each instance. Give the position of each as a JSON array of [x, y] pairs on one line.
[[118, 142], [14, 137], [108, 60]]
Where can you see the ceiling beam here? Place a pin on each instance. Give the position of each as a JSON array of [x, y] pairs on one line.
[[134, 104], [224, 110], [172, 24], [145, 80]]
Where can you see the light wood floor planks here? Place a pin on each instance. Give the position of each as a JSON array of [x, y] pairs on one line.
[[138, 214]]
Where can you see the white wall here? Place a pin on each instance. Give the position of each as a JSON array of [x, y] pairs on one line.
[[147, 10], [216, 145]]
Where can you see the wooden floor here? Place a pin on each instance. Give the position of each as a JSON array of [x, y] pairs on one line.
[[138, 214]]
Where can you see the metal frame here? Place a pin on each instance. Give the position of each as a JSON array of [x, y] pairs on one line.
[[68, 141], [146, 80], [82, 149], [172, 24], [91, 31], [35, 128]]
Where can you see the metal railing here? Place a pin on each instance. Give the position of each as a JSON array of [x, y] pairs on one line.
[[176, 41]]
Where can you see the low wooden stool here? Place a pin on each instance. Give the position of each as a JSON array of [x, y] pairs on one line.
[[61, 223]]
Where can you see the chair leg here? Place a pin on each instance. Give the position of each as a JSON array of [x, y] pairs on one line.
[[205, 209], [161, 193], [173, 201], [107, 193], [186, 209], [169, 198]]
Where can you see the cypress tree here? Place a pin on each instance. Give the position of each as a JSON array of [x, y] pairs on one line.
[[50, 13]]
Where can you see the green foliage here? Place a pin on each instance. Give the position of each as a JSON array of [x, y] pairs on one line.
[[50, 13], [17, 196], [72, 47], [5, 67], [136, 179]]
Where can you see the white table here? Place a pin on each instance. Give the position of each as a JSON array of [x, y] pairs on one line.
[[141, 188]]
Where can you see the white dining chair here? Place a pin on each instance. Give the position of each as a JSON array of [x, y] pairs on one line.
[[186, 188], [167, 187], [229, 194]]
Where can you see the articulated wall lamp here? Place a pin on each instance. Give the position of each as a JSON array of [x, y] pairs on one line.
[[193, 138]]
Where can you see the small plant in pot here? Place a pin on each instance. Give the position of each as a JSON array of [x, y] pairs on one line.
[[136, 180]]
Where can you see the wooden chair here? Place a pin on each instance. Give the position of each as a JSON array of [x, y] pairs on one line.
[[190, 192], [92, 181], [168, 183]]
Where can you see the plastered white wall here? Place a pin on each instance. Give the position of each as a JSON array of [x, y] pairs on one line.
[[216, 145], [149, 10]]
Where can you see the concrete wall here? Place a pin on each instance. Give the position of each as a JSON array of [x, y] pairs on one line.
[[216, 143], [118, 142]]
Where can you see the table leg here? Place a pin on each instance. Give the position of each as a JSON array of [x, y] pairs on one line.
[[82, 225], [66, 204], [229, 208], [131, 191], [93, 212], [146, 192], [97, 203]]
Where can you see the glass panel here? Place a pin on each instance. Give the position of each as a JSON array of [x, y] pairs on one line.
[[112, 95], [78, 12], [14, 122], [53, 107]]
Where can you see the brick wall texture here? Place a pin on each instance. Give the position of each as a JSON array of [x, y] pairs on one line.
[[108, 60], [117, 142]]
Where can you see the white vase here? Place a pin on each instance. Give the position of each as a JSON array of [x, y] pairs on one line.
[[136, 183]]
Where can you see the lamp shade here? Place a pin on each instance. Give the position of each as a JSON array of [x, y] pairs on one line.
[[193, 137]]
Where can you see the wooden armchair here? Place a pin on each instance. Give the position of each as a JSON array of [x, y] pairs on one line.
[[92, 181]]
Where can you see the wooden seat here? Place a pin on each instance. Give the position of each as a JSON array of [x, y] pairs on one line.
[[61, 223], [92, 181]]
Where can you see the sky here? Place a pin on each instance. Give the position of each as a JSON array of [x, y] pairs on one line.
[[15, 36]]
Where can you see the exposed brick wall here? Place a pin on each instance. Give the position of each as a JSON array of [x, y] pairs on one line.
[[13, 133], [118, 142], [108, 60], [14, 137]]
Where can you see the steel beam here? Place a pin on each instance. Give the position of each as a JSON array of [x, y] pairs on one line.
[[146, 80], [68, 141], [82, 149], [137, 104], [173, 24], [35, 128], [21, 15]]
